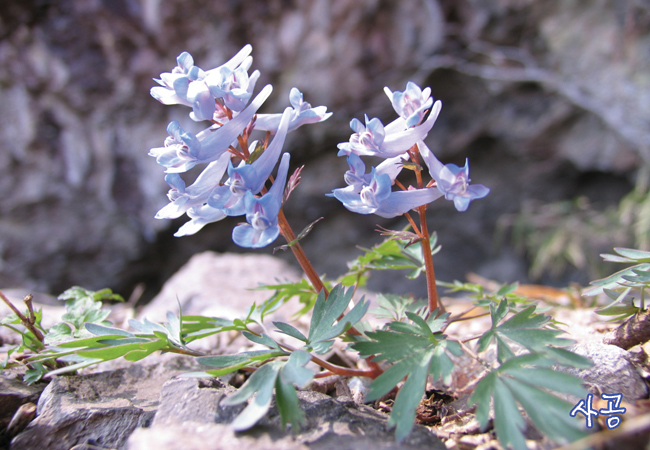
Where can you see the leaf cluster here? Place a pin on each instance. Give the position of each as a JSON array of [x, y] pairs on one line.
[[328, 321], [620, 286], [415, 350], [528, 353], [391, 254]]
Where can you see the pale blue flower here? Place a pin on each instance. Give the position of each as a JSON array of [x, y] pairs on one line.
[[183, 198], [374, 195], [185, 84], [452, 181], [358, 178], [234, 87], [262, 213], [302, 114], [183, 150], [249, 177], [173, 85], [411, 105], [374, 139], [180, 148], [200, 216]]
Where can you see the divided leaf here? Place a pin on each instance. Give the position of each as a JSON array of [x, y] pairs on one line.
[[325, 323], [415, 349], [525, 328], [278, 375], [526, 380]]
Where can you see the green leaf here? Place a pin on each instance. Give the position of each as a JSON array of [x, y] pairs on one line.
[[95, 341], [481, 397], [35, 373], [290, 331], [527, 380], [146, 349], [295, 372], [146, 326], [633, 254], [260, 384], [61, 332], [262, 340], [553, 419], [322, 328], [110, 352], [507, 419], [287, 401], [403, 414], [230, 363], [102, 330], [286, 291], [526, 328], [507, 289], [614, 281], [415, 350]]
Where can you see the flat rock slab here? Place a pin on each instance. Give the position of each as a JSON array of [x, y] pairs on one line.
[[190, 417], [100, 409], [219, 285]]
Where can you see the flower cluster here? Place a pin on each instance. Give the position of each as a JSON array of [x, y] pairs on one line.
[[237, 168], [397, 142]]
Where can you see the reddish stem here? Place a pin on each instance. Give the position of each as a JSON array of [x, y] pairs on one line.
[[300, 255], [432, 292]]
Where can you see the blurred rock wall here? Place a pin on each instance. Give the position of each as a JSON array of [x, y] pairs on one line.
[[537, 94]]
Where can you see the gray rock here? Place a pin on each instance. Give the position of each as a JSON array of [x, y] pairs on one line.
[[199, 423], [101, 409], [612, 372], [219, 285], [14, 394]]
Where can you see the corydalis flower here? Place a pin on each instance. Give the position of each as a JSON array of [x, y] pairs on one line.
[[183, 198], [262, 213], [374, 139], [234, 87], [302, 114], [411, 105], [183, 150], [372, 193], [249, 177], [453, 182], [184, 84]]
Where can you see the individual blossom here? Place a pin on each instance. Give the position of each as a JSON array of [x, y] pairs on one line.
[[173, 85], [249, 177], [373, 194], [262, 213], [453, 182], [233, 87], [183, 150], [183, 198], [374, 139], [200, 216], [412, 104], [302, 114], [358, 178]]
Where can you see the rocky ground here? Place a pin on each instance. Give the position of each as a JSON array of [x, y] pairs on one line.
[[149, 405]]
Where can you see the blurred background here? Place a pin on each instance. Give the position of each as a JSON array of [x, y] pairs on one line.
[[550, 102]]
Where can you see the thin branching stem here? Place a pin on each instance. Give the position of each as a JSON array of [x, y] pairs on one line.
[[27, 323], [373, 372]]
